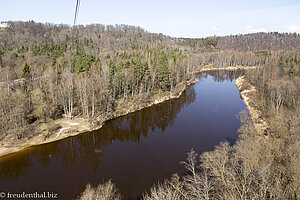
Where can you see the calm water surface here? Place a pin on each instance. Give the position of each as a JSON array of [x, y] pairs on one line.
[[136, 150]]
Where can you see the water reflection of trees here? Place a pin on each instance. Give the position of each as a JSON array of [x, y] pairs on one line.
[[132, 127], [88, 148], [11, 168], [222, 75]]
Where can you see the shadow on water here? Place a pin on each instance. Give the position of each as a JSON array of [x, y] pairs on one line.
[[135, 150]]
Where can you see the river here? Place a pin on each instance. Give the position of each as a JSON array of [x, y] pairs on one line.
[[134, 151]]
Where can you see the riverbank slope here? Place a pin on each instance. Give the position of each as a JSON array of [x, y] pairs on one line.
[[248, 93]]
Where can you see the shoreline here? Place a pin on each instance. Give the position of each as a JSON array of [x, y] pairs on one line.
[[80, 125], [248, 93], [210, 67]]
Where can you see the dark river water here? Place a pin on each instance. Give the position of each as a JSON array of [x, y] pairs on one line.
[[134, 151]]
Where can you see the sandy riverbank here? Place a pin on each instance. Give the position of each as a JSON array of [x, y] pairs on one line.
[[248, 93], [214, 68]]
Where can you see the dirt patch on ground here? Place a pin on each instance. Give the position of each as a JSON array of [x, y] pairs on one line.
[[67, 128]]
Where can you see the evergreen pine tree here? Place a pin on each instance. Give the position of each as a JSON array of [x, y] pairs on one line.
[[26, 71]]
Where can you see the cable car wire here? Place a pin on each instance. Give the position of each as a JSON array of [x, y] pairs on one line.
[[76, 11]]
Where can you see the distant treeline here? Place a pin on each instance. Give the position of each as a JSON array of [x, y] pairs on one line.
[[272, 41]]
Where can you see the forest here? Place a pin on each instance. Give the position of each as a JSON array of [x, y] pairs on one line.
[[50, 72]]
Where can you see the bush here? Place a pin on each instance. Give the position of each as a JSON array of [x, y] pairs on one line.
[[52, 126], [14, 56], [106, 191]]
